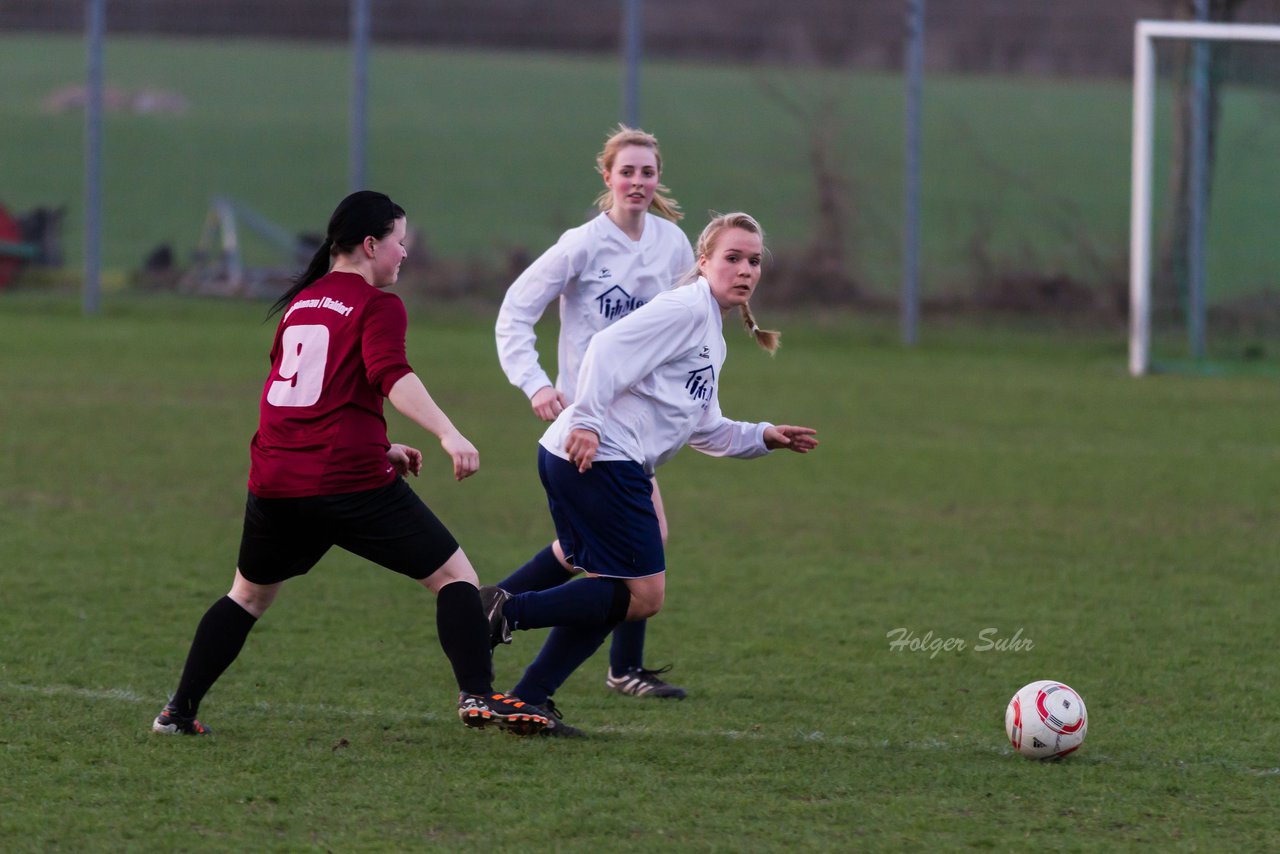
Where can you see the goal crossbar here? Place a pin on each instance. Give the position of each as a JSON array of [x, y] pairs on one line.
[[1145, 33]]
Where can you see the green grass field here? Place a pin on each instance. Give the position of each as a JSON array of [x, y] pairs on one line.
[[991, 479], [492, 151]]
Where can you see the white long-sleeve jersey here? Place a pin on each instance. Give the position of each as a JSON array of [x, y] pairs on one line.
[[600, 276], [649, 382]]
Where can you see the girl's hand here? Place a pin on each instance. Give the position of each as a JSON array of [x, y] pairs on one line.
[[581, 447], [548, 403], [466, 459], [405, 460], [798, 439]]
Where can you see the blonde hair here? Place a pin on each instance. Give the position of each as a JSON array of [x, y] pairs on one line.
[[619, 138], [768, 339]]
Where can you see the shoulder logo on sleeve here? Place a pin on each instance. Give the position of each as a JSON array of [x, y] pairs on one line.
[[701, 384], [616, 302]]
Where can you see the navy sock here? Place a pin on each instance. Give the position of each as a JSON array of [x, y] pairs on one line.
[[627, 650], [565, 649], [585, 602], [542, 572], [219, 639], [464, 636]]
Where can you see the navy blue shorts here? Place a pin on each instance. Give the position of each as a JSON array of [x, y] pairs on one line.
[[604, 517], [390, 526]]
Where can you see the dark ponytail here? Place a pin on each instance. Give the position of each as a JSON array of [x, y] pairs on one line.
[[361, 214]]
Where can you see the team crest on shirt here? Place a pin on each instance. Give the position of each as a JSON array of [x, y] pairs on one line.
[[701, 385], [616, 302]]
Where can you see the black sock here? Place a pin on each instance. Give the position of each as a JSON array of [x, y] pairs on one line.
[[584, 602], [565, 649], [464, 636], [543, 571], [219, 639], [627, 650]]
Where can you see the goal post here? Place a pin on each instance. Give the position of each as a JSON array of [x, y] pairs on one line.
[[1144, 82]]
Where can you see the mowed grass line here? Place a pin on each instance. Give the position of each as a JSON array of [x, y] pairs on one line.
[[995, 478]]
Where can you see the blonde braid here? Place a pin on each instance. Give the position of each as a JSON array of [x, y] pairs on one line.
[[768, 339]]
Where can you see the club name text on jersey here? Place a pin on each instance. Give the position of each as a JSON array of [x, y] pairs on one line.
[[616, 302], [701, 384], [324, 302]]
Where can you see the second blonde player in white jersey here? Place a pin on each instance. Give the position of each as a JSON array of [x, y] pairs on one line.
[[600, 272]]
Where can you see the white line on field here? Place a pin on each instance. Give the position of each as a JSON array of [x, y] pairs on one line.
[[302, 710], [121, 694], [124, 695]]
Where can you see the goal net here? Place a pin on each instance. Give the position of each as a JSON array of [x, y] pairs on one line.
[[1204, 285]]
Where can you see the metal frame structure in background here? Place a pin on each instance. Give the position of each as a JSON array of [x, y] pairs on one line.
[[632, 39], [632, 47], [1144, 81]]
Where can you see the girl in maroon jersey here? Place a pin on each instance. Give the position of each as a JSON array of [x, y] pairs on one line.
[[323, 473]]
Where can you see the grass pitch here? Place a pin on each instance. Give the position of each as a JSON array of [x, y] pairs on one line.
[[994, 480]]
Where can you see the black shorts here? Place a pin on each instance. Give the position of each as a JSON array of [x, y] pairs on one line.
[[390, 526]]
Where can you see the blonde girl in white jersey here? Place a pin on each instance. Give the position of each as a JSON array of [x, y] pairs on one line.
[[661, 367], [600, 272]]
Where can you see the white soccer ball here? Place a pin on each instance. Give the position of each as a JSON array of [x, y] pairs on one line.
[[1046, 720]]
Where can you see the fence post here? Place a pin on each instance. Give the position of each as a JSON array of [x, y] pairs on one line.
[[632, 47], [359, 93], [95, 29], [1197, 194], [911, 179]]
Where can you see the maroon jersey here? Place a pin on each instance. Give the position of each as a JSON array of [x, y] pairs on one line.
[[338, 351]]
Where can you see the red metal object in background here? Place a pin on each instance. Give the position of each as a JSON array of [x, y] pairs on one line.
[[10, 243]]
